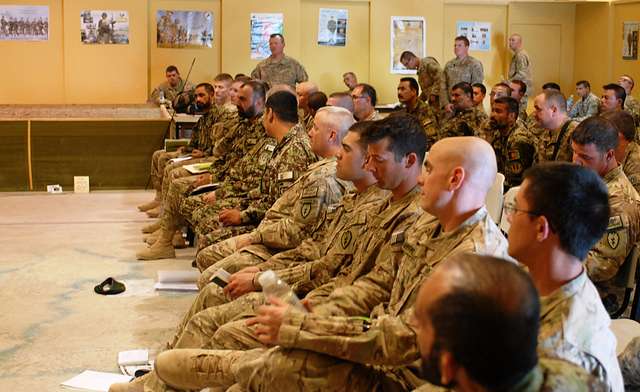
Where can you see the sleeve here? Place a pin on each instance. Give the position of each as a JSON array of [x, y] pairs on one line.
[[385, 341], [592, 109], [477, 73], [604, 260], [301, 74], [435, 73], [256, 74], [155, 96], [307, 276], [522, 64], [520, 157]]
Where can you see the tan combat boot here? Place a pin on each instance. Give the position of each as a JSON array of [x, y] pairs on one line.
[[136, 385], [161, 249], [154, 212], [148, 229], [152, 204], [152, 238]]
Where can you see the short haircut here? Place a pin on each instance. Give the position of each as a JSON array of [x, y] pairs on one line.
[[349, 73], [573, 199], [284, 105], [555, 98], [259, 89], [523, 85], [317, 100], [481, 86], [584, 83], [597, 131], [465, 87], [360, 127], [413, 84], [208, 88], [172, 68], [512, 104], [223, 77], [623, 121], [344, 100], [339, 118], [242, 78], [369, 91], [618, 90], [463, 39], [551, 86], [499, 300], [502, 84], [407, 55], [404, 132], [274, 35], [633, 83]]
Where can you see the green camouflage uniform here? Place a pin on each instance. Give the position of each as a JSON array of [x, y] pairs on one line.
[[428, 119], [430, 77], [631, 164], [585, 107], [515, 151], [632, 105], [520, 69], [469, 70], [608, 255], [289, 159], [555, 145], [285, 71], [170, 93], [466, 122], [574, 326], [298, 214]]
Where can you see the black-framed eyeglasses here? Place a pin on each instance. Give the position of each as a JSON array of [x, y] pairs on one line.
[[510, 209]]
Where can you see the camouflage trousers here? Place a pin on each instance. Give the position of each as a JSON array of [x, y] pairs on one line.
[[173, 171], [171, 219], [159, 160]]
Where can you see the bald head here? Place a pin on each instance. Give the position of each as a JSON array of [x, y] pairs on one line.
[[303, 90], [472, 154], [515, 41], [280, 87]]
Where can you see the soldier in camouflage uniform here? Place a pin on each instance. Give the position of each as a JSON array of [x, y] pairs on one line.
[[631, 104], [519, 92], [513, 144], [303, 91], [463, 68], [172, 88], [160, 158], [554, 141], [364, 98], [628, 151], [464, 120], [560, 212], [587, 104], [520, 66], [411, 104], [594, 143], [300, 212], [430, 77], [279, 68]]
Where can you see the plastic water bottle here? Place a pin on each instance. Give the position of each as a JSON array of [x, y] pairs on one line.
[[273, 286]]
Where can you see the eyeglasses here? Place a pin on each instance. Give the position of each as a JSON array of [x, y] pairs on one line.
[[510, 209]]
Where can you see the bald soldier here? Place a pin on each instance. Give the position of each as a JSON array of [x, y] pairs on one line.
[[594, 142], [279, 68], [520, 66], [560, 212], [303, 91], [430, 76], [333, 346], [501, 303], [556, 127], [631, 104]]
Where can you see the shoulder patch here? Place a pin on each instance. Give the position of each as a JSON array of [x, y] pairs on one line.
[[310, 192], [613, 239], [285, 176], [397, 237], [615, 222], [270, 147], [332, 208]]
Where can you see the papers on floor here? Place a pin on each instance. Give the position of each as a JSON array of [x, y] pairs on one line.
[[133, 360], [197, 168], [91, 380], [180, 280], [180, 159]]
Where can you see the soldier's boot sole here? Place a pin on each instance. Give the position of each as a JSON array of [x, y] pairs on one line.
[[154, 213], [156, 252], [148, 229], [149, 206]]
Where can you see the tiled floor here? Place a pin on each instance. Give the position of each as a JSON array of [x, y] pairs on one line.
[[53, 250]]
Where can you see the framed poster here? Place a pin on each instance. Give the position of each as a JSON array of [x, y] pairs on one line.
[[262, 26], [332, 27], [184, 29], [104, 27], [24, 23], [407, 33], [478, 34], [630, 40]]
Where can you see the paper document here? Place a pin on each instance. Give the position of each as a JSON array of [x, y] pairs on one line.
[[180, 159], [133, 357], [91, 380], [180, 280], [198, 168]]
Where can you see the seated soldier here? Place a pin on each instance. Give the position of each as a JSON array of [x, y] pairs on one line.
[[341, 99], [628, 151], [408, 96], [560, 212], [587, 103], [594, 142], [364, 98], [173, 88], [501, 303], [222, 84], [519, 93], [499, 90], [317, 100], [464, 120], [479, 93], [550, 116], [303, 90], [613, 97]]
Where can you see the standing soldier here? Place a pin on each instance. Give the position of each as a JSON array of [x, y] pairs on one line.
[[429, 75], [463, 68], [631, 104], [520, 67], [279, 68]]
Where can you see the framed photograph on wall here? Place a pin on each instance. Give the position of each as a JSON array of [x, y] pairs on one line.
[[24, 23], [104, 27], [478, 34], [332, 27], [630, 32], [407, 33], [262, 26], [184, 29]]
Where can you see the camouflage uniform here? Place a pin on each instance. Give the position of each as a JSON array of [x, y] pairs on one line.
[[515, 151], [374, 116], [289, 159], [632, 105], [430, 77], [631, 164], [550, 375], [555, 145], [585, 107], [522, 107], [607, 256], [170, 93], [574, 326], [468, 69], [428, 119], [520, 69], [630, 365], [284, 71], [298, 214], [466, 122]]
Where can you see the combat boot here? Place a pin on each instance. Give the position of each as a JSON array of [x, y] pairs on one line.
[[155, 212], [148, 229], [153, 237], [161, 249], [136, 385], [150, 205]]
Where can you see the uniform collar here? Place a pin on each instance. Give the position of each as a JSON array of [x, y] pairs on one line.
[[612, 175], [549, 302]]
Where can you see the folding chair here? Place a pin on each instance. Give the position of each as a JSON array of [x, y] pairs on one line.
[[627, 278], [494, 198]]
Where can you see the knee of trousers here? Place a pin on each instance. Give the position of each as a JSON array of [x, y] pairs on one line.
[[179, 369]]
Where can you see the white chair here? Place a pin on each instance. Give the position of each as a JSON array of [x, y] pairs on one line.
[[625, 330], [509, 198], [494, 198]]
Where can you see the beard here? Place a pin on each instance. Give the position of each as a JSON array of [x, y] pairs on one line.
[[246, 114]]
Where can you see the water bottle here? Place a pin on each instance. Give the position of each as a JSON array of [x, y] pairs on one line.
[[161, 97], [273, 286]]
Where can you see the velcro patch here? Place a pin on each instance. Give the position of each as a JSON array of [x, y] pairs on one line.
[[615, 222], [285, 176], [270, 147], [310, 192], [397, 237]]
